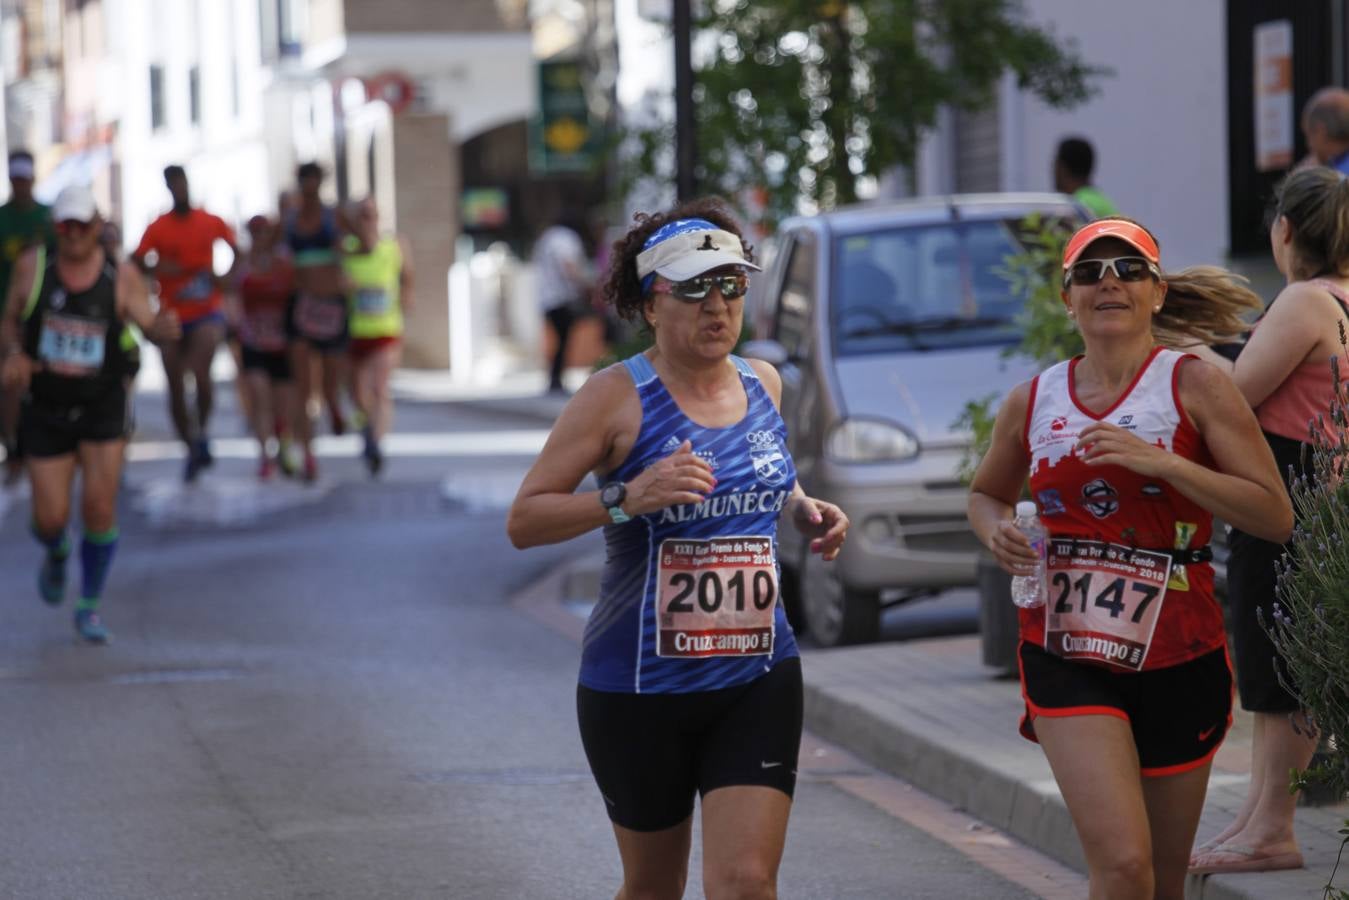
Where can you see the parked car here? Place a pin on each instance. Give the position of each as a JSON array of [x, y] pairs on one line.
[[885, 320]]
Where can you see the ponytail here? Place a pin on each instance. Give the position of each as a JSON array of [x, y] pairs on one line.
[[1204, 305]]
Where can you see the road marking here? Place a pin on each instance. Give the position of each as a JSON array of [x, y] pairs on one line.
[[523, 442]]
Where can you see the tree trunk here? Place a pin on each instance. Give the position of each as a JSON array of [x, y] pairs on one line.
[[838, 118]]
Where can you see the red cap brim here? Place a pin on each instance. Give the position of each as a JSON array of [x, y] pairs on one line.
[[1135, 236]]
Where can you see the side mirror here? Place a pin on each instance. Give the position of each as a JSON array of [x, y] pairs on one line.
[[769, 351]]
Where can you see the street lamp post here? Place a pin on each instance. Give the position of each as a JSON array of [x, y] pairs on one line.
[[685, 155]]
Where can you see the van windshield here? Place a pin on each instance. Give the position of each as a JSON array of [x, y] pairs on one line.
[[927, 287]]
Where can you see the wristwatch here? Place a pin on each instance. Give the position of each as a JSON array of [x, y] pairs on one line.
[[612, 496]]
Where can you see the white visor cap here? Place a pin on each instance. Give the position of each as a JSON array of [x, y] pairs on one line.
[[74, 203], [688, 255]]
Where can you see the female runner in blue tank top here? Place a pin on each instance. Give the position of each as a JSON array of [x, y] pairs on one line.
[[690, 677]]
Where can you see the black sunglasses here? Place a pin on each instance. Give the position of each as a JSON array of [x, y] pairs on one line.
[[694, 290], [1126, 268]]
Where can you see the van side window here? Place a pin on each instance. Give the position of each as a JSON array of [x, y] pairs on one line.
[[798, 298]]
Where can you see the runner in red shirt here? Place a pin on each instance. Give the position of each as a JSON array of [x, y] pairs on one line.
[[184, 241], [1131, 450], [266, 286]]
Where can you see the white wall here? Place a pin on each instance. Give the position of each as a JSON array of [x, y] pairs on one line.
[[224, 154], [1159, 124]]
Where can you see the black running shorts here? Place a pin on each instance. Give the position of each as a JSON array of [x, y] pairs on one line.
[[47, 431], [651, 753], [276, 366], [1252, 573], [1178, 714]]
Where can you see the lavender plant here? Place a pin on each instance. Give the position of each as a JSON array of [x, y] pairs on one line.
[[1310, 624]]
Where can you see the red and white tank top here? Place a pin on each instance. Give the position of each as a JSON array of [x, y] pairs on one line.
[[1105, 601]]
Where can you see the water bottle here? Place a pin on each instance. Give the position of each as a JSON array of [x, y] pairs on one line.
[[1029, 591]]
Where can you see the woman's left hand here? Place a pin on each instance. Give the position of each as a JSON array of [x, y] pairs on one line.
[[1104, 444], [822, 521]]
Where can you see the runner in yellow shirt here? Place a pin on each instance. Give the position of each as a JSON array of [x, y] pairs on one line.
[[377, 273]]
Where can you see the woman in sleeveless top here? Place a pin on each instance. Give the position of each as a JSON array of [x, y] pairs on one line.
[[1284, 373], [690, 678], [1131, 450]]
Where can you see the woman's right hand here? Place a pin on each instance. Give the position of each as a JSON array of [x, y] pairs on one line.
[[1012, 549], [681, 477]]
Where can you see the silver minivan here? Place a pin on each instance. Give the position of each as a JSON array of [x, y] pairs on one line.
[[885, 320]]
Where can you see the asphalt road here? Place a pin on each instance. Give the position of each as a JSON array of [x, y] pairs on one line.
[[323, 693]]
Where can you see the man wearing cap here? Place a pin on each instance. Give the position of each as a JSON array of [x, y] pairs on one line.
[[184, 240], [690, 677], [23, 223], [64, 340]]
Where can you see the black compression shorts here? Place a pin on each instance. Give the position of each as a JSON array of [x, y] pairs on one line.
[[1178, 714], [47, 430], [275, 365], [651, 753]]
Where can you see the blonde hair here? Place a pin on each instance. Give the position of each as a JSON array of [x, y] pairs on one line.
[[1205, 305]]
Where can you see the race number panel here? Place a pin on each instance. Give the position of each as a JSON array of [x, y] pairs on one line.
[[716, 597], [197, 290], [265, 330], [70, 345], [372, 301], [320, 318], [1104, 601]]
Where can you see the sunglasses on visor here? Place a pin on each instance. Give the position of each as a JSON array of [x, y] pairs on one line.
[[732, 287], [1126, 268]]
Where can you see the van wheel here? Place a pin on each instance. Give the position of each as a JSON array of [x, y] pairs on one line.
[[836, 614]]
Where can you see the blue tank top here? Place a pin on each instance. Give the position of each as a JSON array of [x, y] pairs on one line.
[[688, 598]]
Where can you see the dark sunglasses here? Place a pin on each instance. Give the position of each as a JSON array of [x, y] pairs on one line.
[[694, 290], [1126, 268], [73, 226]]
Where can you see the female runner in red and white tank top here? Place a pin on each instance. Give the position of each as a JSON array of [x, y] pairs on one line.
[[1131, 450]]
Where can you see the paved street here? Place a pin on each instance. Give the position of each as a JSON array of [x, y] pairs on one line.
[[326, 693]]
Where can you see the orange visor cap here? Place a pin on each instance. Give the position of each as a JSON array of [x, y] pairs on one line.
[[1134, 235]]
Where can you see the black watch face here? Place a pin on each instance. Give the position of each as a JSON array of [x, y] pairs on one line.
[[612, 494]]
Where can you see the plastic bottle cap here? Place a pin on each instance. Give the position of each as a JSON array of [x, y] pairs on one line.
[[1025, 509]]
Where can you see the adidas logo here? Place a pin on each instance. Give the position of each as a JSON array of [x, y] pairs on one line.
[[671, 445]]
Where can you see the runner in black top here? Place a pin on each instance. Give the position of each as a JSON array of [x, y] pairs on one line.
[[62, 340], [318, 315]]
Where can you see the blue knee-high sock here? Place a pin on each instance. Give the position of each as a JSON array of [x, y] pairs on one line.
[[96, 552], [58, 545]]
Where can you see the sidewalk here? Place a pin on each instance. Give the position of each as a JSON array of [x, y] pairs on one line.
[[930, 713]]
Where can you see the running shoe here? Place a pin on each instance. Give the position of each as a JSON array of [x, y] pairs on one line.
[[311, 469], [51, 580], [285, 461], [265, 469], [370, 451], [191, 467], [90, 627], [204, 453]]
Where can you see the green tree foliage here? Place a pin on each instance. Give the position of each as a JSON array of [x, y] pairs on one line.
[[804, 97], [1047, 335]]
